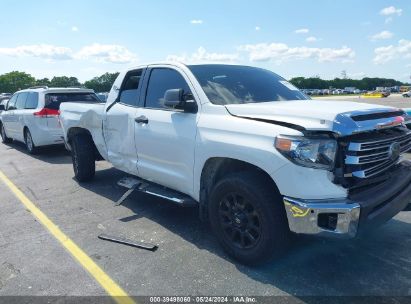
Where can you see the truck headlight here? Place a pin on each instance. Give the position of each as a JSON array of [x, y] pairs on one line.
[[308, 152]]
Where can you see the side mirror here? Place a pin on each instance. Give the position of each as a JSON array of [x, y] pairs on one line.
[[176, 99], [2, 107], [173, 98]]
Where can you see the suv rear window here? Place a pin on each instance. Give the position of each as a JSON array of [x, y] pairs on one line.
[[53, 100]]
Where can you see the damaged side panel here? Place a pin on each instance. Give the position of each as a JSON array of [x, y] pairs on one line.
[[118, 130], [88, 117]]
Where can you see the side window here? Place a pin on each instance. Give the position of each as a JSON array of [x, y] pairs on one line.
[[130, 90], [161, 80], [12, 103], [32, 100], [21, 101]]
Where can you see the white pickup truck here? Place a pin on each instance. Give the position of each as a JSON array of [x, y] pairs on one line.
[[258, 157]]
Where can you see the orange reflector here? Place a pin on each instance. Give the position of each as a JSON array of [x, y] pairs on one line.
[[283, 144]]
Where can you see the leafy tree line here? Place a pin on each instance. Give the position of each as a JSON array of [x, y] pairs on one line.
[[340, 83], [14, 81]]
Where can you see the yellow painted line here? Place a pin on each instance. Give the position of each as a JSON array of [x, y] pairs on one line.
[[115, 291]]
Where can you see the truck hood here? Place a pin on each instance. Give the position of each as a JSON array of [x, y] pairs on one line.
[[341, 117]]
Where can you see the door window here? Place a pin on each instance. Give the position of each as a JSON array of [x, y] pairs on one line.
[[161, 80], [12, 103], [130, 90], [21, 101], [32, 101]]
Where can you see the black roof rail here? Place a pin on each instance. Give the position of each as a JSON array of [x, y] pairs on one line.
[[39, 87]]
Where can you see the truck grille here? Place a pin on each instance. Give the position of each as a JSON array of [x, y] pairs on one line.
[[371, 155]]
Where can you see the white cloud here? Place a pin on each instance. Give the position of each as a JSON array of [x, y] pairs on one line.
[[311, 39], [382, 35], [281, 52], [98, 52], [302, 31], [74, 29], [257, 28], [196, 21], [391, 10], [107, 53], [388, 20], [385, 54], [45, 51], [408, 65], [201, 55]]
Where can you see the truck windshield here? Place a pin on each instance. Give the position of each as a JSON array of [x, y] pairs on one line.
[[233, 84], [53, 100]]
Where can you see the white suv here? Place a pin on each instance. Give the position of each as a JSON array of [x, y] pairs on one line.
[[32, 116]]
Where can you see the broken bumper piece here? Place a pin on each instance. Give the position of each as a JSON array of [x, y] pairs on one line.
[[320, 217]]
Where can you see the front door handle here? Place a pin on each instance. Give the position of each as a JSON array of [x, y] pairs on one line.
[[141, 119]]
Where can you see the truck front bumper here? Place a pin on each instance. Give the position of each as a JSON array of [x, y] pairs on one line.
[[331, 217], [359, 212]]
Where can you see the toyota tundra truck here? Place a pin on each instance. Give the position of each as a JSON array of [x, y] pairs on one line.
[[259, 158]]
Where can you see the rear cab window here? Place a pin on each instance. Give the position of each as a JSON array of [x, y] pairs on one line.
[[52, 101], [130, 89]]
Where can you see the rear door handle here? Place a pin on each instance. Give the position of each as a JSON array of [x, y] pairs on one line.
[[141, 119]]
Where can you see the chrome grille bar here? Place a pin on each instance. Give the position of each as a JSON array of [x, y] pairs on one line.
[[367, 159], [378, 145]]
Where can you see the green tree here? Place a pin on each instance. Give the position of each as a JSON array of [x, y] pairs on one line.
[[43, 82], [101, 83], [64, 82], [14, 81], [341, 83]]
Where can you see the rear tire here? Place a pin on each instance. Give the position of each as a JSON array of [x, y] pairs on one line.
[[82, 153], [4, 138], [248, 218], [28, 140]]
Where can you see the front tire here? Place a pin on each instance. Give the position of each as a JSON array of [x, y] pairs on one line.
[[28, 139], [248, 218], [82, 153], [4, 138]]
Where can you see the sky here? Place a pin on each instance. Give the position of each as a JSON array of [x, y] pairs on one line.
[[84, 39]]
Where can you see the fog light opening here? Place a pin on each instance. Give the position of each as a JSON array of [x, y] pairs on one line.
[[328, 221]]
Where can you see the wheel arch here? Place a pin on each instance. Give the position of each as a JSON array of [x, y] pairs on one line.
[[25, 129], [76, 131], [216, 168]]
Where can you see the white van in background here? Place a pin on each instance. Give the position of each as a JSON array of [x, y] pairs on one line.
[[32, 116]]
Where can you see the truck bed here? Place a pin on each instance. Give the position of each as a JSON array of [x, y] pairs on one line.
[[87, 116]]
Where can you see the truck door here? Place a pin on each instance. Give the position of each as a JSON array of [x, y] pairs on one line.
[[165, 138], [118, 124]]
